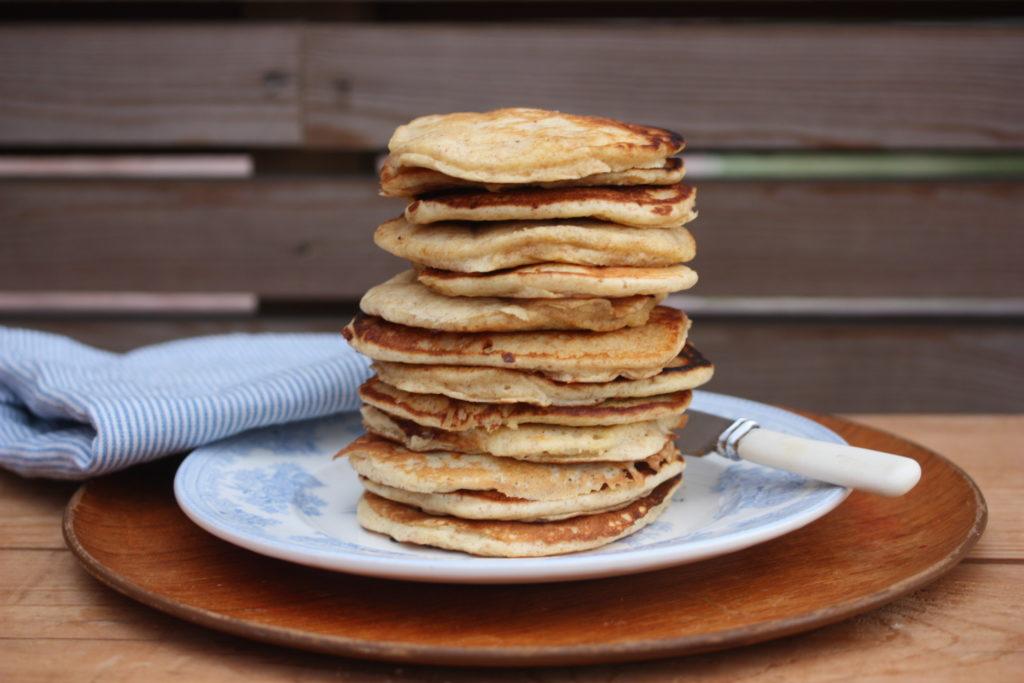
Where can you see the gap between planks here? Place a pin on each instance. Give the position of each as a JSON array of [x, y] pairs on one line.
[[160, 304]]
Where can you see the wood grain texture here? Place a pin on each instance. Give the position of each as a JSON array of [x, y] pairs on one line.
[[810, 86], [964, 626], [862, 366], [129, 532], [211, 86], [938, 366], [218, 85], [28, 508], [988, 448], [312, 237], [287, 238]]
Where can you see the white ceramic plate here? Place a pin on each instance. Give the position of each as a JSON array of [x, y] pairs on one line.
[[277, 492]]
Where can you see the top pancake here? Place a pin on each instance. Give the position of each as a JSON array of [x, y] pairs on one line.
[[642, 207], [521, 145], [410, 181], [563, 355]]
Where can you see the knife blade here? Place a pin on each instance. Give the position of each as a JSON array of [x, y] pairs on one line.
[[864, 469]]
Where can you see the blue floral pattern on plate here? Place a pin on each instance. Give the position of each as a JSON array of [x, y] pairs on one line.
[[277, 491]]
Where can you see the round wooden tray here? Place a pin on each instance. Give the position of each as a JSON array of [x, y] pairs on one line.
[[128, 531]]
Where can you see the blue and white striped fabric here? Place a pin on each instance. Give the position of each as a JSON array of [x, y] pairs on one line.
[[70, 411]]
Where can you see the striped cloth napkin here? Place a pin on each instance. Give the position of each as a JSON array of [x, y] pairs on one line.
[[70, 411]]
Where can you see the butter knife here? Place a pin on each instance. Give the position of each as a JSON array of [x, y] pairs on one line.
[[858, 468]]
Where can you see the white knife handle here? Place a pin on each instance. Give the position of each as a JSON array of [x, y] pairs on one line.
[[858, 468]]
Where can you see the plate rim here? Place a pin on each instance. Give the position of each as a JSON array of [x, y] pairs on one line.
[[549, 569]]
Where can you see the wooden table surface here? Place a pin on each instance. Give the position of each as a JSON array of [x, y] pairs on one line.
[[58, 623]]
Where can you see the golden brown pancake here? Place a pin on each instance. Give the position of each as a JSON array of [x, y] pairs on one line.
[[410, 181], [669, 206], [486, 247], [469, 504], [391, 464], [537, 443], [560, 280], [497, 385], [491, 538], [566, 355], [406, 301], [441, 412], [528, 145]]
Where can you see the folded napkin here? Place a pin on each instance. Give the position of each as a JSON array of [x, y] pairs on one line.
[[71, 411]]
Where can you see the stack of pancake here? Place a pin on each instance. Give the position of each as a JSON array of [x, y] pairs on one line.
[[528, 381]]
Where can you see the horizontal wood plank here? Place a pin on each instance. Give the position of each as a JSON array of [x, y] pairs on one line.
[[864, 367], [988, 448], [721, 86], [724, 86], [31, 510], [827, 367], [205, 86], [126, 166], [287, 238], [965, 622], [312, 238]]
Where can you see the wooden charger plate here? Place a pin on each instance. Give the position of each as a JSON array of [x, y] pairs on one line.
[[128, 532]]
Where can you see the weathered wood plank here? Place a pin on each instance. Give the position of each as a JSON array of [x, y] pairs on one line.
[[966, 624], [721, 86], [194, 85], [863, 366], [957, 239], [31, 510], [985, 446], [283, 238], [217, 85], [301, 237], [939, 366], [127, 303]]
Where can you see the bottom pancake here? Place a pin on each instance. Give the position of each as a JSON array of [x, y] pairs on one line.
[[490, 538]]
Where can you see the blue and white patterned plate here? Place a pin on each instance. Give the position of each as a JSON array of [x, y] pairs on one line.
[[276, 491]]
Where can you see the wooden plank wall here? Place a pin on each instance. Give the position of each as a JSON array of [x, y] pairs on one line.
[[172, 173]]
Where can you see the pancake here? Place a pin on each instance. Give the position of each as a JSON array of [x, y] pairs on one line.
[[520, 145], [441, 412], [410, 181], [632, 352], [641, 206], [536, 443], [496, 385], [493, 505], [391, 464], [491, 538], [560, 280], [404, 300], [482, 248]]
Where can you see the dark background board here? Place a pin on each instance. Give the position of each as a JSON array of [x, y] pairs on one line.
[[313, 237], [178, 168], [347, 86]]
